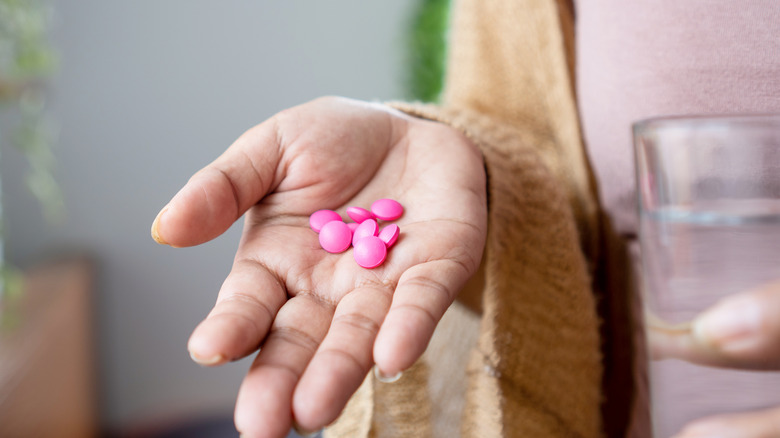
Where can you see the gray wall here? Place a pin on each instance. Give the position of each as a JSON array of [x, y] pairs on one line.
[[147, 93]]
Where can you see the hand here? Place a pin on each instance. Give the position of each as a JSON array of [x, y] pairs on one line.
[[741, 331], [320, 320]]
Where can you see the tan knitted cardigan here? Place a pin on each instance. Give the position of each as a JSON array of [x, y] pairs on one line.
[[529, 359]]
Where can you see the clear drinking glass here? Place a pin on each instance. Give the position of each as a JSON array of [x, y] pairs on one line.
[[709, 201]]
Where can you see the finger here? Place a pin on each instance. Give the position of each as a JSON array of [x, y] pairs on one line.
[[423, 294], [740, 331], [221, 192], [264, 405], [246, 306], [762, 424], [344, 358]]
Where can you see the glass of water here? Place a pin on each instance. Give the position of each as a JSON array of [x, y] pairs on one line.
[[709, 198]]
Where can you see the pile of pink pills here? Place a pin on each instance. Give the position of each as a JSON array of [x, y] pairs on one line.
[[370, 243]]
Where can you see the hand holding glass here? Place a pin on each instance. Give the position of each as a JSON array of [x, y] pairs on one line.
[[709, 191]]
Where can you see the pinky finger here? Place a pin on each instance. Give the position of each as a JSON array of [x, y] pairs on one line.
[[758, 424], [423, 294]]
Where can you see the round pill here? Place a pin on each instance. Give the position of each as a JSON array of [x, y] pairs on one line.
[[387, 209], [321, 217], [335, 237], [370, 252], [369, 227], [389, 234], [353, 226], [358, 214]]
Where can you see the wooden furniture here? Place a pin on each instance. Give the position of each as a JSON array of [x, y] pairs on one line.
[[47, 366]]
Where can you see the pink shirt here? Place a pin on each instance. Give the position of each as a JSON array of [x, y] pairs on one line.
[[646, 58]]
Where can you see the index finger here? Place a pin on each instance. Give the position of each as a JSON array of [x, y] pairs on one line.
[[217, 195], [740, 331]]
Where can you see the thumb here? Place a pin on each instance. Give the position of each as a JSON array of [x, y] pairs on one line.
[[220, 193], [740, 331]]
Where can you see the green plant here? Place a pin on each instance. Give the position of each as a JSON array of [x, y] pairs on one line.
[[26, 62], [427, 49]]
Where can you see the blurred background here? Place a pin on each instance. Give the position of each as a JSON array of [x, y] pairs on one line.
[[126, 103]]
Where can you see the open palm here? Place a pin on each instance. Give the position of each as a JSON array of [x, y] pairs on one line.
[[320, 320]]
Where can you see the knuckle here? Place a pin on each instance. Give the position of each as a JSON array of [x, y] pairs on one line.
[[359, 322], [281, 367], [418, 309], [247, 301], [431, 285], [295, 337], [233, 185], [466, 262], [360, 363], [252, 263]]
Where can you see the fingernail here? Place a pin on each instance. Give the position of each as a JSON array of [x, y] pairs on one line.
[[156, 227], [303, 432], [385, 378], [206, 361], [730, 323]]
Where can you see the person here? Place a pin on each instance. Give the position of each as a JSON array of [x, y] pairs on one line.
[[498, 188]]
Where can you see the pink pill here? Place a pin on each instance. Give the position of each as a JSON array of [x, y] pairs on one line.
[[359, 214], [369, 227], [353, 226], [387, 209], [335, 237], [389, 234], [370, 252], [321, 217]]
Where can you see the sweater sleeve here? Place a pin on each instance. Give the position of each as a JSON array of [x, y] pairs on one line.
[[535, 369], [512, 61]]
